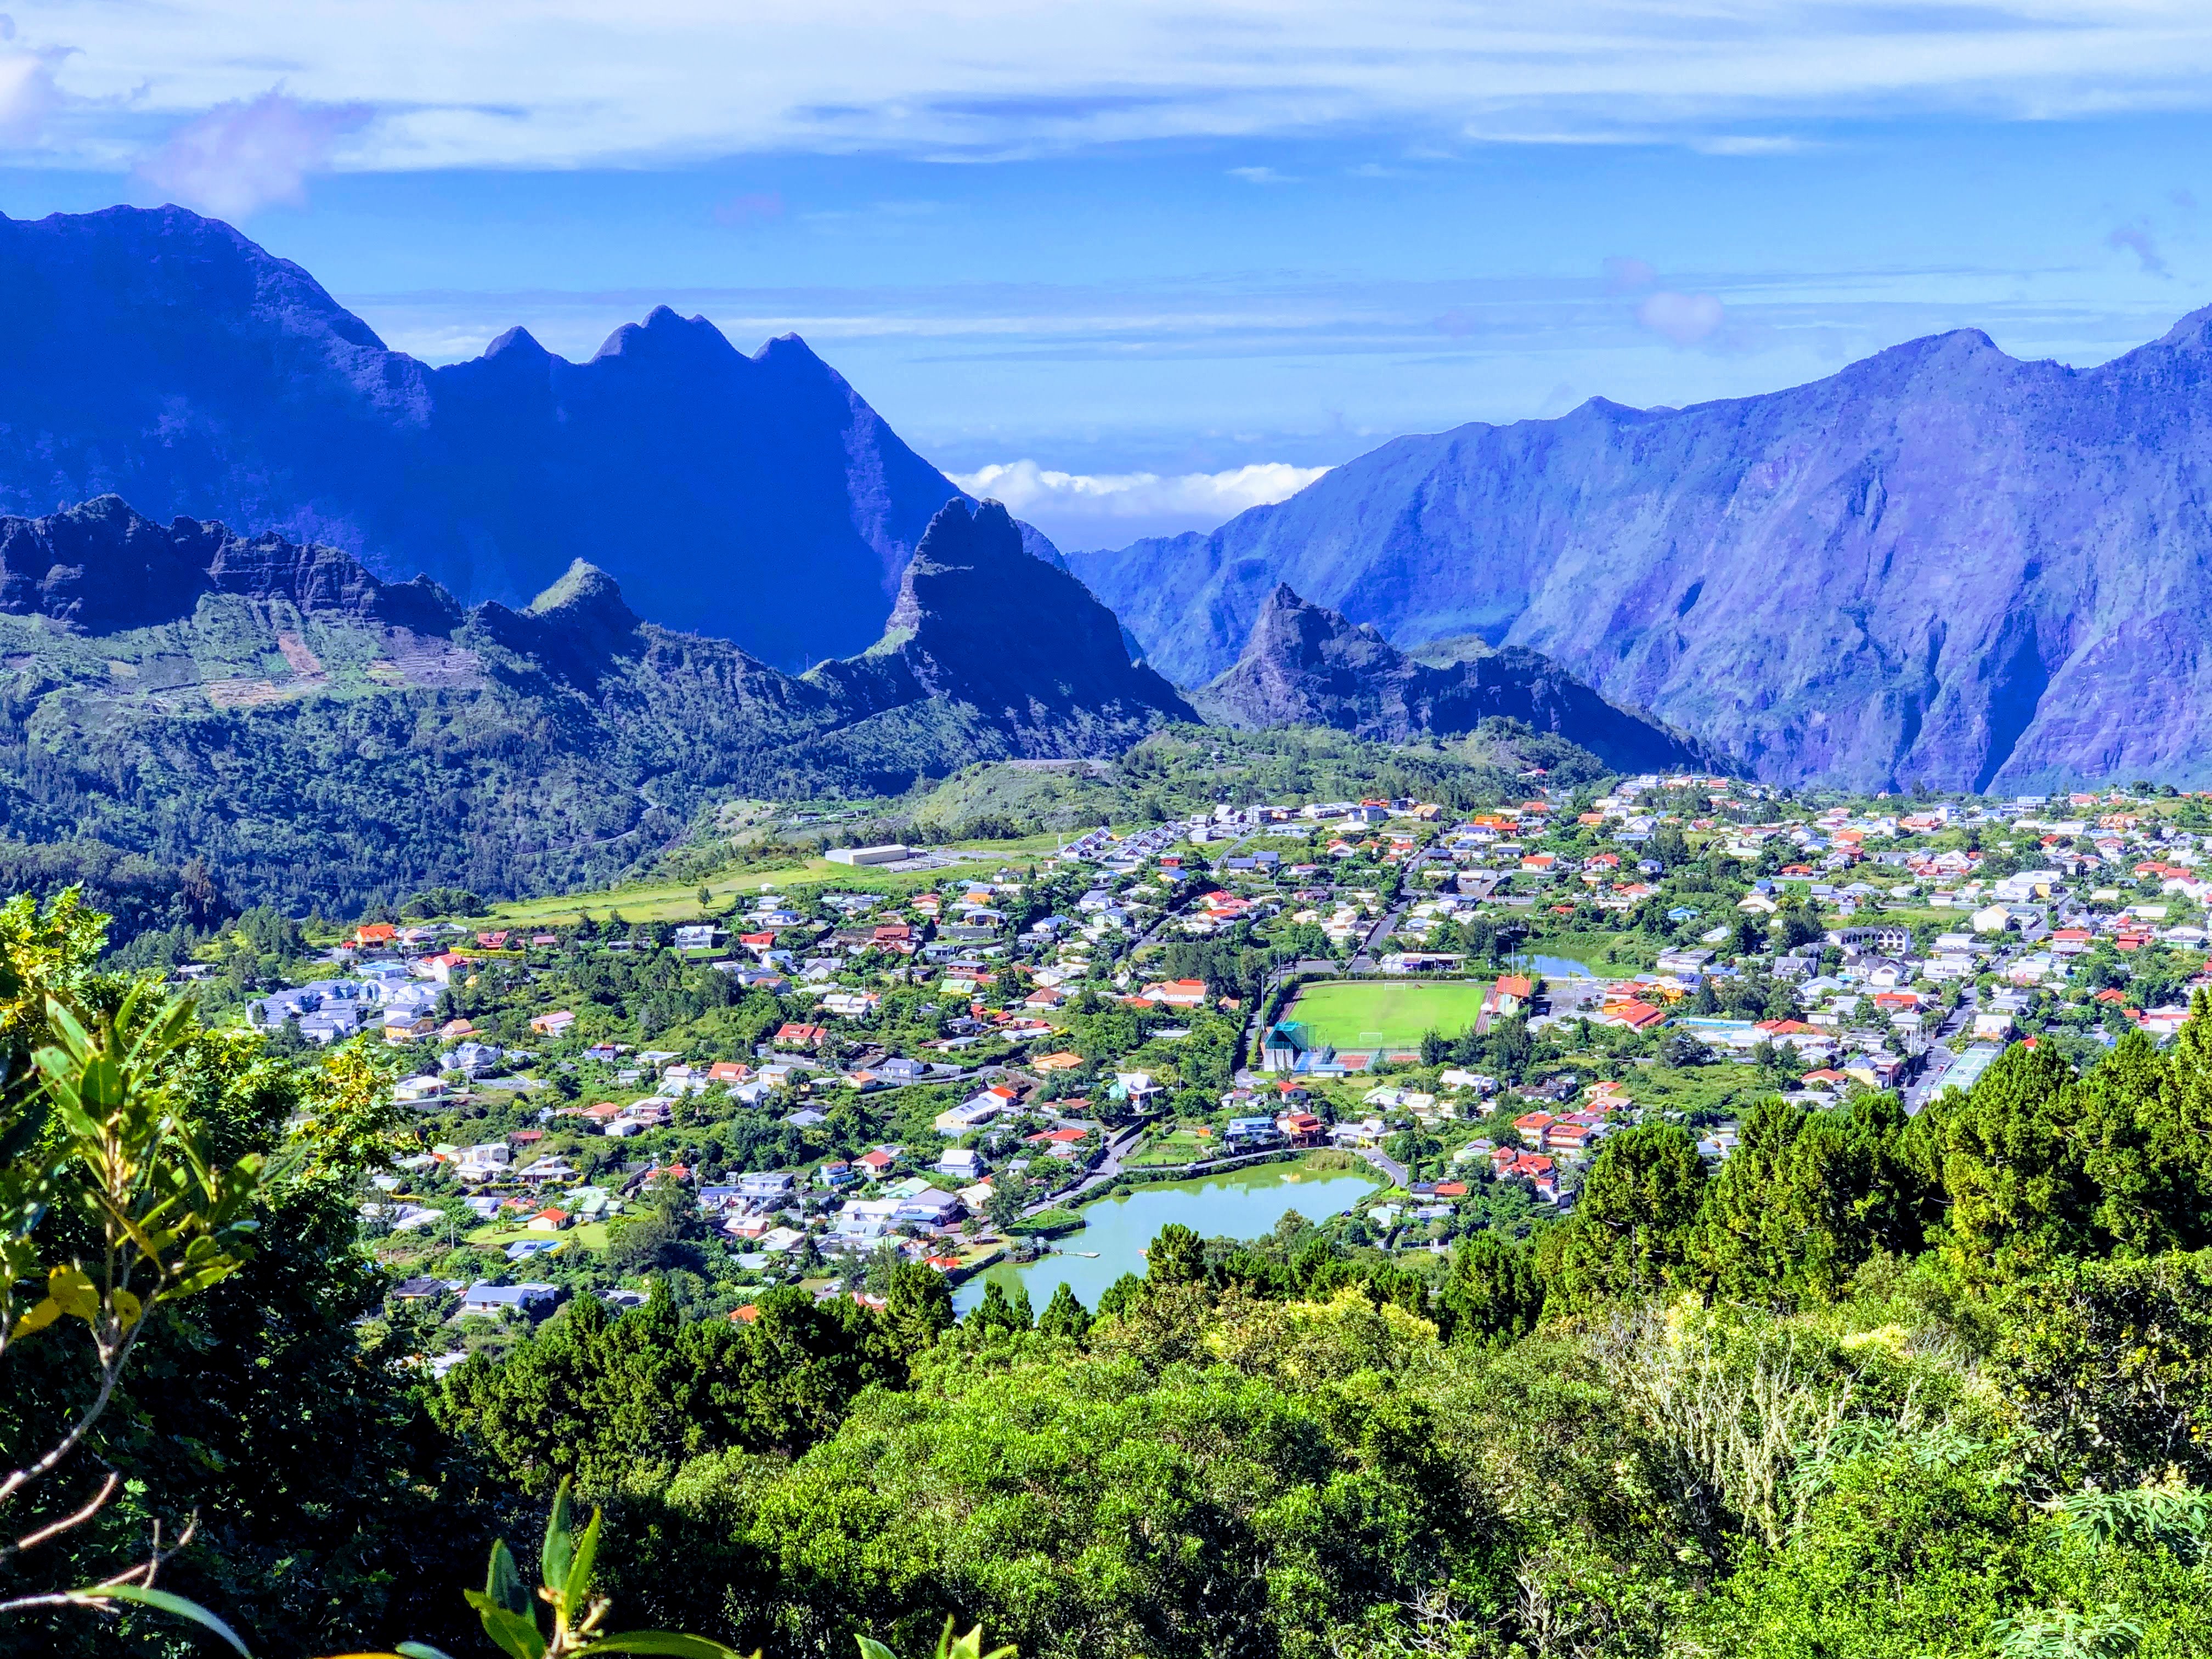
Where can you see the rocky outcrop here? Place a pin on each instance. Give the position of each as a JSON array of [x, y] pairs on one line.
[[1940, 565], [981, 622], [1304, 664], [103, 568]]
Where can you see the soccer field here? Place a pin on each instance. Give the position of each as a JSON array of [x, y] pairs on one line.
[[1389, 1013]]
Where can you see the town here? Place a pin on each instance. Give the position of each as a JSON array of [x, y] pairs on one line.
[[943, 1055]]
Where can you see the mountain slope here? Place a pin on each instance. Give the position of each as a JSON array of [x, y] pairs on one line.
[[1940, 564], [1307, 666], [164, 358], [981, 623], [319, 736]]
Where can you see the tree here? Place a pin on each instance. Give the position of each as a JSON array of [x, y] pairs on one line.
[[1064, 1316], [2011, 1165], [2147, 1125], [2109, 1365], [1177, 1256], [1492, 1292], [305, 1456], [918, 1307], [1000, 1313], [1122, 1294], [1630, 1233]]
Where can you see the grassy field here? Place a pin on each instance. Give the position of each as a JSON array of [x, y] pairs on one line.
[[679, 901], [592, 1236], [1390, 1014]]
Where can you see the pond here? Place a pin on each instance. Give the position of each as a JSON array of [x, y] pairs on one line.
[[1556, 967], [1239, 1204]]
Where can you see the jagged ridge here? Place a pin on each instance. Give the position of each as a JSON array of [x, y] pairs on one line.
[[1305, 664], [1940, 565]]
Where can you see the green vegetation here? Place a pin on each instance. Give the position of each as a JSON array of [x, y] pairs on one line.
[[1386, 1013]]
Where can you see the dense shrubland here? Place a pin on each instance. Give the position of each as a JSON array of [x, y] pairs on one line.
[[1878, 1387]]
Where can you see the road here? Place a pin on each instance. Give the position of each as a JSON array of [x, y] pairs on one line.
[[1400, 1175], [1930, 1082], [1109, 1165]]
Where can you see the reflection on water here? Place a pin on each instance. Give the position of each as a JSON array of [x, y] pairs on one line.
[[1241, 1204]]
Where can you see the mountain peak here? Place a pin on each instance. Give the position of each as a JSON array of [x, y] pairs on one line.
[[1306, 664], [517, 342], [582, 588], [981, 621]]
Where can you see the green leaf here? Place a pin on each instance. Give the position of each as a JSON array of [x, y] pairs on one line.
[[516, 1636], [163, 1601], [553, 1560], [576, 1587], [661, 1642], [871, 1648], [502, 1583], [419, 1651]]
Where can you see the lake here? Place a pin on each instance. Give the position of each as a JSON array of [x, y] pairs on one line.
[[1240, 1204]]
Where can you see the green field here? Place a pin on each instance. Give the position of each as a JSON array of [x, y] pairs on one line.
[[1385, 1013]]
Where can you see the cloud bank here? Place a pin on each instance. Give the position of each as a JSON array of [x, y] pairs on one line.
[[557, 84], [1124, 505]]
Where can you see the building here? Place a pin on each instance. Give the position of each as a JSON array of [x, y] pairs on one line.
[[890, 852], [490, 1301]]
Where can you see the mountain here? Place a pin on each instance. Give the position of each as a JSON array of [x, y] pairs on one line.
[[981, 623], [1307, 666], [184, 696], [163, 357], [1940, 564]]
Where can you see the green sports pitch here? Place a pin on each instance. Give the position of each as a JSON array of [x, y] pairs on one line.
[[1386, 1013]]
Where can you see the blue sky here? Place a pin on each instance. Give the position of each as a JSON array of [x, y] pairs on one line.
[[1154, 262]]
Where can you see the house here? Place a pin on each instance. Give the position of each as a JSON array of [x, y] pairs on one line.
[[490, 1301], [555, 1025], [878, 1163], [932, 1206], [960, 1162], [548, 1220], [1531, 1126], [1063, 1143], [483, 1163], [407, 1024], [370, 933], [409, 1090], [1301, 1128], [696, 936], [792, 1034], [1178, 992], [765, 1186], [1511, 993]]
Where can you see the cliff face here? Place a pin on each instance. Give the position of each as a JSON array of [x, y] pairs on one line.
[[991, 653], [1304, 664], [105, 568], [981, 623], [164, 358], [1940, 564]]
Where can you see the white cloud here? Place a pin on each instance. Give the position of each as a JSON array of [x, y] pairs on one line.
[[570, 83], [28, 96], [1685, 319], [1203, 498], [241, 157]]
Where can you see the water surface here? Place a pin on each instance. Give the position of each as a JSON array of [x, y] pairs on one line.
[[1240, 1204]]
